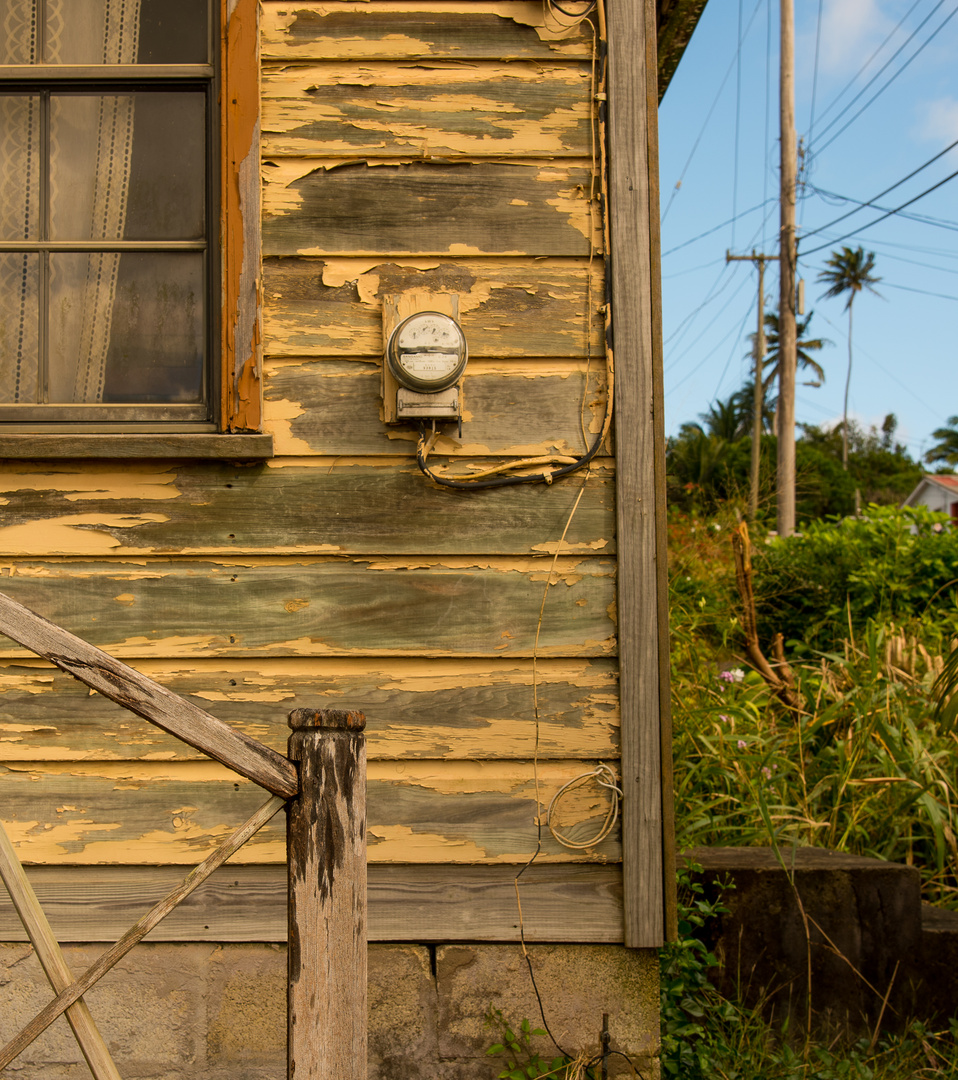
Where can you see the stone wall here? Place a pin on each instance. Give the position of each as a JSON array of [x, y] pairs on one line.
[[218, 1012]]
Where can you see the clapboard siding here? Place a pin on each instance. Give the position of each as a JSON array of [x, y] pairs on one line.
[[324, 408], [468, 208], [455, 709], [417, 811], [517, 109], [513, 309], [299, 505], [343, 29], [406, 903], [323, 607]]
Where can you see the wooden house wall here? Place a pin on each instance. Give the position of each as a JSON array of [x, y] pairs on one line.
[[405, 144]]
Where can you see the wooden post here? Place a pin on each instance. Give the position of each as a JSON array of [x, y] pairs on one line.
[[326, 852]]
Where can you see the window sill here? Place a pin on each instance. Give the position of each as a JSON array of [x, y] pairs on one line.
[[183, 446]]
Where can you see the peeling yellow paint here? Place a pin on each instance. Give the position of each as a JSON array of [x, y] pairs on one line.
[[133, 483], [90, 533]]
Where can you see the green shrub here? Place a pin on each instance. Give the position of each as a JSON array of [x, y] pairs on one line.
[[825, 584]]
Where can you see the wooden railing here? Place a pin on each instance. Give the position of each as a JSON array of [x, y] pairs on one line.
[[323, 783]]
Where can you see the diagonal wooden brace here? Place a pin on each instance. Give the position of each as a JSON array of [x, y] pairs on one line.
[[153, 917], [51, 958]]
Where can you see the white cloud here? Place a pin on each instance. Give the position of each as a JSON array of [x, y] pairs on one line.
[[851, 30], [938, 120]]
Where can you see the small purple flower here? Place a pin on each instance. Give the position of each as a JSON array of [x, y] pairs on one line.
[[741, 744], [766, 772], [723, 718], [733, 675]]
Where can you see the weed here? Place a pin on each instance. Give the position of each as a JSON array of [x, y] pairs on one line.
[[523, 1061]]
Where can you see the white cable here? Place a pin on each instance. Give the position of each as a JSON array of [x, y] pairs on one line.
[[610, 818]]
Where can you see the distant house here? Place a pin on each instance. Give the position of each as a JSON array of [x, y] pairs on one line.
[[937, 493]]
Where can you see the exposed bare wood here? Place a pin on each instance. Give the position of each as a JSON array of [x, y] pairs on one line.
[[315, 606], [637, 599], [120, 683], [45, 945], [113, 955], [426, 29], [518, 109], [426, 903], [85, 813], [437, 708], [512, 308], [479, 208], [242, 391], [326, 845]]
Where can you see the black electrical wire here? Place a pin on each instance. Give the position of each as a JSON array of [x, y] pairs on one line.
[[862, 206], [544, 477], [587, 10], [835, 100], [882, 89], [715, 228], [890, 213]]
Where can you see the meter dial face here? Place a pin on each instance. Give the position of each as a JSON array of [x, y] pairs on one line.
[[427, 352]]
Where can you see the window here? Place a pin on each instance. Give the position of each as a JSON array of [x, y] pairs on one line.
[[110, 216]]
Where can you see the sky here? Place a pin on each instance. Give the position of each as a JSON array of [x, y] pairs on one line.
[[861, 130]]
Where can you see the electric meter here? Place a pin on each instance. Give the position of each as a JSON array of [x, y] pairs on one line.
[[426, 352]]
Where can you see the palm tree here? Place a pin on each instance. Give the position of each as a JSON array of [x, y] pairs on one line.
[[848, 273], [946, 449], [805, 346]]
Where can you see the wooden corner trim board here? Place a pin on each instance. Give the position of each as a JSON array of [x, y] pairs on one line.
[[634, 289]]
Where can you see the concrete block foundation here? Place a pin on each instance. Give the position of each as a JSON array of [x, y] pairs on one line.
[[218, 1012]]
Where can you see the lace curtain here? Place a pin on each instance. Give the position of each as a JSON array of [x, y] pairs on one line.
[[89, 143]]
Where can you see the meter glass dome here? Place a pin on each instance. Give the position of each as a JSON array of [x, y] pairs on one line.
[[427, 352]]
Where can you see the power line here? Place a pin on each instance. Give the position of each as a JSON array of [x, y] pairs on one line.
[[835, 100], [715, 102], [921, 219], [862, 206], [878, 93], [715, 228], [889, 214], [924, 292]]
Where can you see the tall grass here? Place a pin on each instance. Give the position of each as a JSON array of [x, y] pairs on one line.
[[862, 767]]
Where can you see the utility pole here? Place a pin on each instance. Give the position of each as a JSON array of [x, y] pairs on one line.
[[787, 256], [758, 398]]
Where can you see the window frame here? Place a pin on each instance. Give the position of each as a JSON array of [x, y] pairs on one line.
[[235, 371]]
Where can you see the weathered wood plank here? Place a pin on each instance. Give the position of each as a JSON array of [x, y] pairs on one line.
[[514, 309], [317, 607], [518, 109], [144, 813], [560, 902], [632, 106], [475, 208], [96, 510], [326, 844], [457, 709], [486, 29], [127, 687], [335, 407]]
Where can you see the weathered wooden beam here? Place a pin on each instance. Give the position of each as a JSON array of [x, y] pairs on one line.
[[636, 417], [152, 918], [463, 709], [425, 29], [326, 845], [322, 606], [393, 110], [145, 510], [420, 208], [127, 687], [579, 902], [45, 945], [419, 811], [511, 308]]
